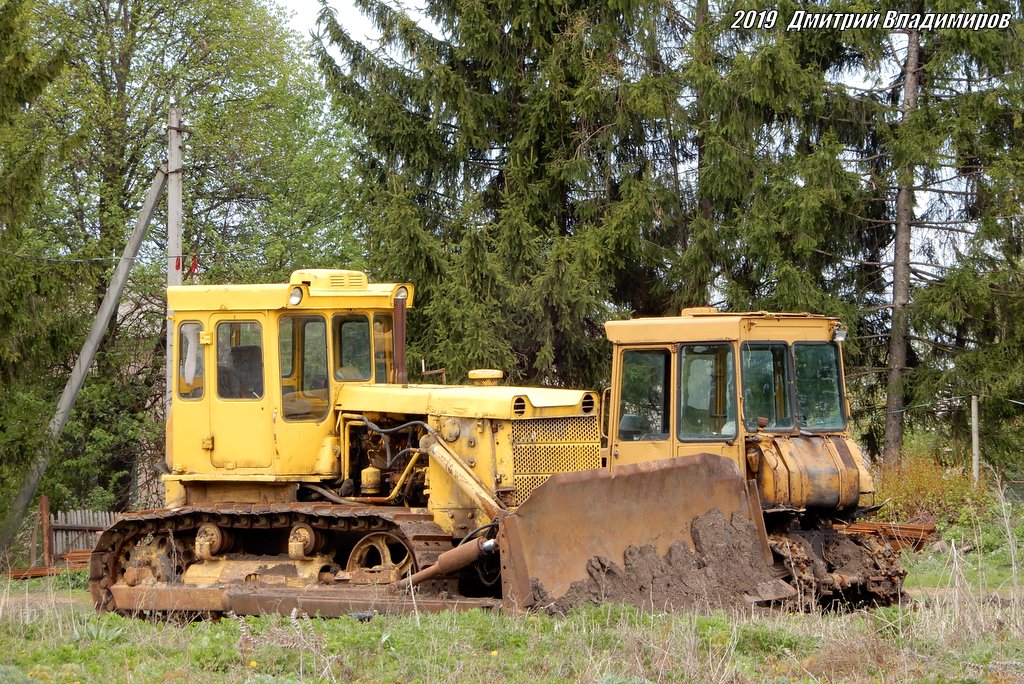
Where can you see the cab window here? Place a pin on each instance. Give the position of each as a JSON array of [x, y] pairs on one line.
[[239, 360], [190, 361], [818, 387], [352, 359], [303, 352], [383, 342], [707, 397], [644, 404], [766, 386]]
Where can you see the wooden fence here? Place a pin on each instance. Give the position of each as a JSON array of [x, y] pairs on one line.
[[67, 540]]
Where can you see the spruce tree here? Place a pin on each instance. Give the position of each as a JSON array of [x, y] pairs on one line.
[[523, 169]]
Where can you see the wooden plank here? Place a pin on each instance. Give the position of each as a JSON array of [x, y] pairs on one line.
[[911, 536], [33, 550]]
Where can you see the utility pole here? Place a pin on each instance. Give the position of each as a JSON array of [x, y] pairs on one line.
[[174, 258], [34, 474]]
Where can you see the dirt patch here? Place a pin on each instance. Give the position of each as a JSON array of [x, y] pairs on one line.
[[725, 570], [25, 606]]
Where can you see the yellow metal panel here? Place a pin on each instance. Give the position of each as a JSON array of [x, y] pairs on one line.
[[819, 477], [247, 474], [471, 401], [772, 475], [242, 429], [673, 329], [867, 483], [732, 451], [329, 279], [189, 421]]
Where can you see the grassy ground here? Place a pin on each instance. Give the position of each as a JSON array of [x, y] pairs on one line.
[[48, 632]]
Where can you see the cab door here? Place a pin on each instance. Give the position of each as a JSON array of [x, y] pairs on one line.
[[240, 408], [303, 418], [642, 417], [707, 414], [188, 428]]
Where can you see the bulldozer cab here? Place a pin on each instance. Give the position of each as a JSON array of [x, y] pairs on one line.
[[738, 386], [258, 367]]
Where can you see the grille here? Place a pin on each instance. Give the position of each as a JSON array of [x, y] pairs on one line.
[[348, 280], [525, 484], [555, 458], [555, 430], [544, 446]]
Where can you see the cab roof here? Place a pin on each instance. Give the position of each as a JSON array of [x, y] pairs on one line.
[[705, 324], [321, 289]]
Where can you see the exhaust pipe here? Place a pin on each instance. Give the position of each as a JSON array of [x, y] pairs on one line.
[[401, 374]]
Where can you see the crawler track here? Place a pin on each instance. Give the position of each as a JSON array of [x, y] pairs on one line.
[[829, 567], [141, 563]]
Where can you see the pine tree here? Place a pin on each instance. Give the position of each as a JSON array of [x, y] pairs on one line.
[[965, 328], [24, 73]]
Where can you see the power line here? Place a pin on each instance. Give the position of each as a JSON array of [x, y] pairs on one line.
[[66, 260]]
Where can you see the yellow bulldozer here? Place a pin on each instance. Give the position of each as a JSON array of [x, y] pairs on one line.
[[305, 473]]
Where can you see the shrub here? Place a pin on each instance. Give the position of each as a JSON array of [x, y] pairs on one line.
[[920, 489]]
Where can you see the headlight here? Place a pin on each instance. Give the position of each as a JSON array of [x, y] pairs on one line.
[[295, 297], [402, 293], [839, 334]]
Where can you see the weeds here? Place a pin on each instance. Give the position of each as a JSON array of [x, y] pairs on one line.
[[920, 489]]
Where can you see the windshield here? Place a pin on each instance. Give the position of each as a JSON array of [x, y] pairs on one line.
[[819, 403], [766, 386]]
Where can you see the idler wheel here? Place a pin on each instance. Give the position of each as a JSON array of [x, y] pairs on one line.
[[379, 558]]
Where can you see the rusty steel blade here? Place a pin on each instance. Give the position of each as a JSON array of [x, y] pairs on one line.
[[575, 516]]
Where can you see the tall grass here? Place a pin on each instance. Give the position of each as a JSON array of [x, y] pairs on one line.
[[51, 634]]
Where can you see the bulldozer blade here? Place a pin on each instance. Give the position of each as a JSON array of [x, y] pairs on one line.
[[550, 540]]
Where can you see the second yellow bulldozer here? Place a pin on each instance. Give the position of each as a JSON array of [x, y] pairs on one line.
[[306, 473]]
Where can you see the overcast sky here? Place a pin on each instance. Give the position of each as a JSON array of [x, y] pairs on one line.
[[306, 11]]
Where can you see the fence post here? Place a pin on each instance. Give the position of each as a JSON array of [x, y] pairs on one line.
[[44, 514], [975, 446]]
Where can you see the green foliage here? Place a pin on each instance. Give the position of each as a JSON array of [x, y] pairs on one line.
[[214, 650], [524, 179], [893, 622], [714, 631], [106, 629], [762, 640], [11, 674], [264, 194]]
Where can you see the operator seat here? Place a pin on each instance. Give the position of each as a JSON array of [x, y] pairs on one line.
[[247, 364]]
